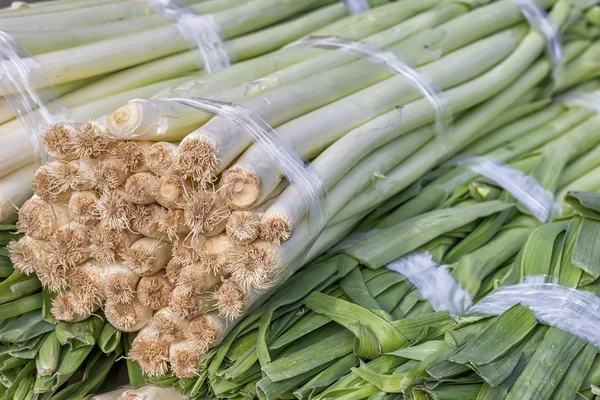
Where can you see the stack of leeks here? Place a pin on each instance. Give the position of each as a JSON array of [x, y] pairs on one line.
[[85, 50], [180, 238], [460, 220]]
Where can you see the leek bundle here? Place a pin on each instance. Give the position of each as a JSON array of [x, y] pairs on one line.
[[177, 259], [97, 96], [451, 217]]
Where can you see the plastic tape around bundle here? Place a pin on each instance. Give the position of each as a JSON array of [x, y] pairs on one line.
[[536, 198], [433, 281], [389, 61], [357, 6], [589, 100], [291, 165], [541, 22], [571, 310], [200, 31], [20, 75]]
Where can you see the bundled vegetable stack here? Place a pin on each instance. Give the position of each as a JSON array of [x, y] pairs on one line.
[[178, 238], [177, 225], [101, 54], [453, 233]]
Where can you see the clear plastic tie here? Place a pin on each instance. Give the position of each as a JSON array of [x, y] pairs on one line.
[[357, 6], [526, 189], [572, 310], [389, 61], [589, 100], [433, 281], [291, 165], [20, 75], [200, 31], [538, 18]]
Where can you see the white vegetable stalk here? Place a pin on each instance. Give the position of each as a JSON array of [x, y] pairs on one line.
[[153, 291], [251, 182], [205, 331], [160, 121], [40, 219], [15, 189], [127, 317], [147, 256]]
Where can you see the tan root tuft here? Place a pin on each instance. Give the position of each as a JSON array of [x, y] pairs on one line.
[[173, 269], [205, 213], [147, 256], [187, 251], [91, 141], [198, 159], [145, 219], [108, 175], [252, 266], [142, 187], [25, 253], [151, 353], [58, 141], [106, 244], [203, 333], [120, 287], [161, 158], [129, 155], [69, 245], [50, 183], [83, 207], [39, 219], [172, 191], [172, 224], [154, 291], [243, 226], [169, 324], [127, 317], [185, 361], [183, 302], [240, 188], [231, 300], [87, 285], [54, 276], [215, 254], [114, 210], [276, 228], [66, 307]]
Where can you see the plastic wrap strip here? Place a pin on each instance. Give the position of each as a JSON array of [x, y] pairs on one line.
[[433, 281], [526, 189], [200, 31], [572, 310], [20, 74], [357, 6], [541, 22], [389, 61], [589, 100], [291, 165]]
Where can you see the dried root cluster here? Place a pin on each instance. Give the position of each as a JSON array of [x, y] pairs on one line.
[[114, 225]]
